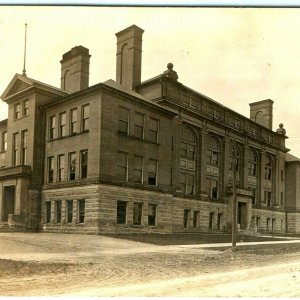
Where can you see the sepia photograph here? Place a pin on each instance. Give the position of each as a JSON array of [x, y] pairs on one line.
[[149, 151]]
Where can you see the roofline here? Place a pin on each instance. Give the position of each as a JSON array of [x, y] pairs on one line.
[[101, 85], [157, 78], [3, 121]]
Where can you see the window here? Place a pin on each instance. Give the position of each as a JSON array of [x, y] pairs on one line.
[[138, 169], [187, 183], [81, 210], [195, 219], [220, 220], [213, 152], [17, 111], [281, 175], [268, 198], [25, 108], [52, 121], [258, 223], [60, 167], [4, 141], [151, 214], [212, 188], [252, 163], [48, 211], [122, 166], [153, 130], [235, 159], [268, 224], [85, 117], [211, 220], [24, 138], [123, 120], [152, 172], [137, 213], [69, 211], [268, 168], [186, 218], [50, 168], [281, 198], [58, 211], [139, 125], [72, 166], [62, 124], [253, 190], [73, 121], [83, 163], [15, 149], [121, 212], [273, 225]]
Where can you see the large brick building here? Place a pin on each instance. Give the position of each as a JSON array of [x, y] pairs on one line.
[[127, 155]]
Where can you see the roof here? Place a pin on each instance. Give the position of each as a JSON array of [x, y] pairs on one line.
[[291, 158], [20, 83]]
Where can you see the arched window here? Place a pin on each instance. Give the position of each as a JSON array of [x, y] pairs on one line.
[[213, 158], [252, 163], [268, 167], [235, 158], [213, 152], [187, 161]]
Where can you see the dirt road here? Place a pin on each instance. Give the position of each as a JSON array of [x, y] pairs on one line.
[[78, 265]]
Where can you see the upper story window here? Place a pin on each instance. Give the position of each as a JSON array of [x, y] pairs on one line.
[[187, 161], [153, 130], [83, 163], [50, 169], [85, 115], [73, 121], [268, 168], [4, 141], [123, 125], [25, 108], [138, 169], [61, 167], [152, 172], [72, 166], [139, 125], [15, 146], [62, 124], [213, 152], [52, 121], [252, 163], [235, 158], [122, 166], [24, 142], [17, 111]]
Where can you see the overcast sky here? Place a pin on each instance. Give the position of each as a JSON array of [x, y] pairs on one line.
[[233, 55]]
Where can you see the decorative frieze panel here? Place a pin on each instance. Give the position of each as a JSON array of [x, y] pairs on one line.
[[230, 175], [268, 184], [212, 171], [187, 164], [252, 180]]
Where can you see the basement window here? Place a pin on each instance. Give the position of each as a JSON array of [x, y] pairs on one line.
[[186, 218], [58, 211], [137, 213], [121, 212], [81, 210], [69, 211], [48, 211], [151, 214]]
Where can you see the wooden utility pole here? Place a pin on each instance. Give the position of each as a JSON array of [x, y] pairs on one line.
[[233, 236]]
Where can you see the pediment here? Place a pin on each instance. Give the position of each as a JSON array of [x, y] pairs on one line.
[[17, 85]]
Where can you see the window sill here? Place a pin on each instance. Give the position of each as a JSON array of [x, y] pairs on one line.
[[137, 138], [68, 136], [17, 119]]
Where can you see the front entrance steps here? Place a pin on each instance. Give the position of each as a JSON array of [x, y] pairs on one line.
[[4, 227]]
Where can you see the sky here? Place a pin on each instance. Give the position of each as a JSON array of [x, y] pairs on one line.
[[234, 55]]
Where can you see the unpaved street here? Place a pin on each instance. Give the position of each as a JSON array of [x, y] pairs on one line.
[[82, 265]]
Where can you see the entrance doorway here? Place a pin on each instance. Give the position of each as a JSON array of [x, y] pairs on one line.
[[8, 202], [242, 215]]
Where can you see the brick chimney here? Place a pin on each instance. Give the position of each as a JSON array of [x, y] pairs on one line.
[[129, 57], [261, 112], [75, 65]]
